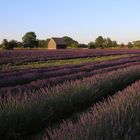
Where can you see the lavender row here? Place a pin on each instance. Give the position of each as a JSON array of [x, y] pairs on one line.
[[21, 116], [116, 118], [24, 56], [46, 69], [87, 67], [51, 82], [40, 70]]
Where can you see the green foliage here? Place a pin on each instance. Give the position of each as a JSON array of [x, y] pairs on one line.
[[136, 44], [70, 42], [12, 44], [82, 46], [107, 43], [43, 43], [5, 44], [99, 42], [74, 45], [9, 45], [19, 45], [29, 40], [122, 45], [130, 45], [91, 45], [114, 44]]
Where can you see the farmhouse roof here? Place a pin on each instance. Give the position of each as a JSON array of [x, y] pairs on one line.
[[59, 41]]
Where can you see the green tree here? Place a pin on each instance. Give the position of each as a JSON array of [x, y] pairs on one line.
[[12, 44], [47, 41], [107, 43], [122, 45], [70, 42], [99, 42], [43, 43], [82, 46], [74, 45], [19, 45], [29, 40], [136, 44], [5, 44], [114, 44], [130, 45], [91, 45]]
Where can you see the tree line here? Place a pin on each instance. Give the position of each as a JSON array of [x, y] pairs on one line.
[[29, 40]]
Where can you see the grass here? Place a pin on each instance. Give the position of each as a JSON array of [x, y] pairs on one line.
[[49, 63]]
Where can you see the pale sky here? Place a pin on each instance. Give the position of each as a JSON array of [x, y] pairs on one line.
[[82, 20]]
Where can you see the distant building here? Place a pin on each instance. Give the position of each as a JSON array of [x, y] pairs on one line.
[[57, 43]]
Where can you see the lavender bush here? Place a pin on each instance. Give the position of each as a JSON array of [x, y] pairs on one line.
[[118, 118], [25, 56], [21, 115], [7, 80], [51, 82]]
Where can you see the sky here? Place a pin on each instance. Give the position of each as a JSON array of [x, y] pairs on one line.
[[82, 20]]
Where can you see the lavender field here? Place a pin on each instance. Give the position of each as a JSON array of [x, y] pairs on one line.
[[24, 56], [94, 96]]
